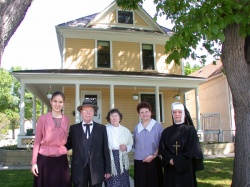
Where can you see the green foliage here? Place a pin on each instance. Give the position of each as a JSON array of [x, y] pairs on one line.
[[4, 122], [198, 22], [9, 147], [12, 178], [10, 99], [188, 69], [218, 172]]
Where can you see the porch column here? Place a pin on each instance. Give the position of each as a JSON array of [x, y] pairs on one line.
[[22, 105], [198, 120], [157, 104], [42, 107], [197, 102], [34, 113], [77, 103], [112, 97]]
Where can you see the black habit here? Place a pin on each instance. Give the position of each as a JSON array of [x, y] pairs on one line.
[[180, 142]]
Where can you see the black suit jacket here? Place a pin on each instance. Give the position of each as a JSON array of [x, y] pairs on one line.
[[99, 155]]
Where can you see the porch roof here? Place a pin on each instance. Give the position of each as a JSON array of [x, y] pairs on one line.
[[38, 81]]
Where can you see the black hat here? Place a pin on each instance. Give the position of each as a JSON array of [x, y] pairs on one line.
[[87, 102]]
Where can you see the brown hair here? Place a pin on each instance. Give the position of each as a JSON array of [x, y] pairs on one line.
[[112, 111], [58, 93], [144, 105]]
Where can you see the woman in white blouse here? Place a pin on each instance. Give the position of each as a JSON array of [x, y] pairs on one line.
[[120, 143]]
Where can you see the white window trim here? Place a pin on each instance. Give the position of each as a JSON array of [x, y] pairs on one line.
[[111, 54], [141, 59], [123, 24]]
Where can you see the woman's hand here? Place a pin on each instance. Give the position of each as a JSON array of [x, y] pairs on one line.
[[34, 169], [171, 162], [123, 147], [149, 158]]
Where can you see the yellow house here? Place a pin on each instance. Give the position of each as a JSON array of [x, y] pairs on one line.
[[215, 104], [109, 57]]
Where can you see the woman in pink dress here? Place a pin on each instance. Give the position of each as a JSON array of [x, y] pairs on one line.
[[49, 159]]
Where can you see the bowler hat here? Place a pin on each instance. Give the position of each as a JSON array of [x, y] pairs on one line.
[[87, 102]]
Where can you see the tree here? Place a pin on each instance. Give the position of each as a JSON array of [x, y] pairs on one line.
[[12, 13], [4, 122], [9, 99], [188, 69], [214, 22]]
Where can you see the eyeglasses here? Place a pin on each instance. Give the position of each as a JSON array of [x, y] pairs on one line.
[[88, 111]]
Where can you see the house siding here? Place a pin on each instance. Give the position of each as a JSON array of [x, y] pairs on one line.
[[126, 56], [123, 101], [139, 21], [214, 98], [79, 54]]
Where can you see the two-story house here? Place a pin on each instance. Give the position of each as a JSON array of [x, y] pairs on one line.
[[108, 57]]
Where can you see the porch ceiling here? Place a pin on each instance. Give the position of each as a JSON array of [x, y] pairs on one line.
[[39, 81]]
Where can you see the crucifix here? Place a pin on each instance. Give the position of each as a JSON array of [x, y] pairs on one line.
[[176, 147]]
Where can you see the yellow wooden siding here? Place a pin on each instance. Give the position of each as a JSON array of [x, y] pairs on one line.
[[110, 18], [161, 65], [139, 21], [123, 101], [126, 56], [79, 53]]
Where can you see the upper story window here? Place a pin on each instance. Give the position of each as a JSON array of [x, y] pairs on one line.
[[103, 54], [148, 57], [125, 17]]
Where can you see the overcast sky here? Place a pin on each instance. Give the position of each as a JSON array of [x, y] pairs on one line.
[[34, 44]]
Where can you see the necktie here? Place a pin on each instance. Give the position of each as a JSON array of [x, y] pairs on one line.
[[87, 130]]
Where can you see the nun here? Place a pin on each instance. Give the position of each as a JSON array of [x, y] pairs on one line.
[[180, 150]]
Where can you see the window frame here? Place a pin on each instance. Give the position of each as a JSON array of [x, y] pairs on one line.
[[128, 12], [152, 57], [98, 54]]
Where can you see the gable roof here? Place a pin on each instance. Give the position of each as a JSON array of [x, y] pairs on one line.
[[209, 70], [88, 22]]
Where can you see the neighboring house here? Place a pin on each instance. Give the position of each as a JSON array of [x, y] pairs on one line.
[[215, 101], [108, 57]]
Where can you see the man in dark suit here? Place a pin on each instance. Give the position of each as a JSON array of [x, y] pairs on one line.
[[90, 164]]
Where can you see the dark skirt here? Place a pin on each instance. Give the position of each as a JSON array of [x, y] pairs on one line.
[[148, 174], [121, 179], [52, 172]]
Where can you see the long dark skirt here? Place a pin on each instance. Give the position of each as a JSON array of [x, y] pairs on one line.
[[121, 179], [52, 172], [148, 174]]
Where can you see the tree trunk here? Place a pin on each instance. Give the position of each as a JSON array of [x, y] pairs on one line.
[[13, 134], [12, 13], [238, 76]]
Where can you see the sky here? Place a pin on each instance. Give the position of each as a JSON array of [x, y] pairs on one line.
[[34, 45]]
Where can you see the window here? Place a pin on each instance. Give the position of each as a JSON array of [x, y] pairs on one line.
[[150, 98], [125, 17], [103, 54], [148, 57]]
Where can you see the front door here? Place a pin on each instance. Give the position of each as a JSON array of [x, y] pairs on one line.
[[95, 97]]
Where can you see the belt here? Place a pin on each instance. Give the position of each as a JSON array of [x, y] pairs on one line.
[[54, 155]]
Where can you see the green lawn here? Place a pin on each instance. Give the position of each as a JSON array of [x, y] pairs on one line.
[[218, 173]]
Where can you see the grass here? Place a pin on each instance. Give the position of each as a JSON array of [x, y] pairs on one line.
[[218, 173]]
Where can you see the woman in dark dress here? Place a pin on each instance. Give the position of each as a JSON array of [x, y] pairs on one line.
[[180, 150]]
